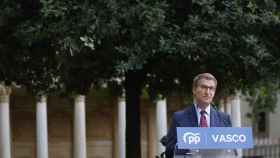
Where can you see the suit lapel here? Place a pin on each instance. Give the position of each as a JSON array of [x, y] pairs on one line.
[[214, 119], [191, 117]]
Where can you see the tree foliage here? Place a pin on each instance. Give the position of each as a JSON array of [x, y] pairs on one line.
[[145, 35], [226, 38], [263, 100]]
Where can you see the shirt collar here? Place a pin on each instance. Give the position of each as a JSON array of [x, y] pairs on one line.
[[207, 110]]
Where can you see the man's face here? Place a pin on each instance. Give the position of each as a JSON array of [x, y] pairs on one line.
[[204, 92]]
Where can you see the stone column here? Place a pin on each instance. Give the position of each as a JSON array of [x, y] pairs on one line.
[[228, 105], [5, 135], [152, 139], [161, 123], [236, 115], [42, 127], [235, 111], [222, 105], [120, 129], [79, 127]]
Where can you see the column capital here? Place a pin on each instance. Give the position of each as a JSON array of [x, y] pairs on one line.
[[5, 92], [161, 101], [121, 98], [41, 98], [237, 95], [79, 98]]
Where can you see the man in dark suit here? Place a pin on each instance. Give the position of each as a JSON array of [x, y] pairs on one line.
[[200, 114]]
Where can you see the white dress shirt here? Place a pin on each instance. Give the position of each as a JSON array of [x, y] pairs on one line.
[[207, 114]]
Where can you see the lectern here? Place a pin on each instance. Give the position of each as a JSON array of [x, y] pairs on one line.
[[214, 142]]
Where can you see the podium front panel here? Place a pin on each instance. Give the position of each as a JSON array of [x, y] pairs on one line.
[[204, 153]]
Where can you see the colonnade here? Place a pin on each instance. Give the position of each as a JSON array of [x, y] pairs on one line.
[[157, 125], [79, 126]]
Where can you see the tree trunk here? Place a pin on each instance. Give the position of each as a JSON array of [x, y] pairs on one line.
[[133, 87]]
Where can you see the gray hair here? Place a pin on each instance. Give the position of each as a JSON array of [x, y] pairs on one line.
[[206, 76]]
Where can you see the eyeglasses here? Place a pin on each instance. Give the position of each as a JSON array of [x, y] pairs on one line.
[[205, 88]]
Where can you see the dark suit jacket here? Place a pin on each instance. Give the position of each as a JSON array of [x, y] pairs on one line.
[[188, 118]]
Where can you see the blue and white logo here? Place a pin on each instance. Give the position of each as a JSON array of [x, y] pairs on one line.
[[191, 138], [214, 138]]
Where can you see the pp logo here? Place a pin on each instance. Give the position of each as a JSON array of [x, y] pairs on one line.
[[191, 138]]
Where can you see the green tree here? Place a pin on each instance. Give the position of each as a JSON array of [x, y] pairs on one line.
[[262, 96], [225, 38], [74, 35], [28, 58], [8, 22], [153, 44], [221, 37], [141, 25], [263, 100]]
